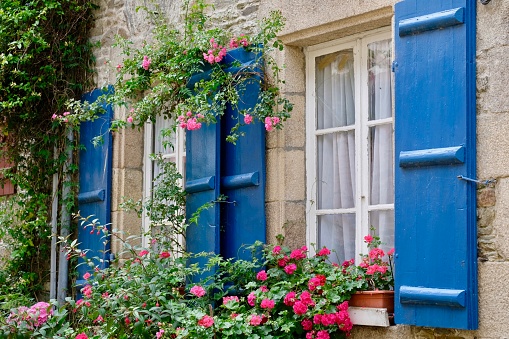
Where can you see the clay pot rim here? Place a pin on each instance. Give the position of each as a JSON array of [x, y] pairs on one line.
[[376, 292]]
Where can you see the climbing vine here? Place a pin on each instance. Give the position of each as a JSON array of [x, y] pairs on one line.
[[45, 60]]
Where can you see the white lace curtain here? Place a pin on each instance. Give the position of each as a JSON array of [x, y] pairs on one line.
[[336, 171]]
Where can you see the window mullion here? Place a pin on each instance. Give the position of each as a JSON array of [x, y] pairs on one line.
[[360, 147], [311, 148]]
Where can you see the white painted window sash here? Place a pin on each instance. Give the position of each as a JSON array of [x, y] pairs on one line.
[[359, 45]]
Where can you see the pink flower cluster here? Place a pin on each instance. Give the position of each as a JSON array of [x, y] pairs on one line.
[[62, 117], [197, 291], [239, 41], [227, 299], [32, 317], [87, 291], [206, 321], [146, 62], [215, 54], [189, 121], [271, 122]]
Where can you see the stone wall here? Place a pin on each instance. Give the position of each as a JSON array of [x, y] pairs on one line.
[[312, 22]]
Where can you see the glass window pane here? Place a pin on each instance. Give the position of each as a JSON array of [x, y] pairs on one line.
[[335, 97], [379, 80], [164, 138], [336, 170], [383, 222], [337, 233], [381, 165]]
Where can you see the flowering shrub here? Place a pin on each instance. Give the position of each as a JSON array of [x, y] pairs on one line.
[[160, 77], [291, 295], [376, 269], [282, 294], [30, 318]]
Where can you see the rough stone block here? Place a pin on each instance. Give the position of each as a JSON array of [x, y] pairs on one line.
[[492, 145], [294, 175]]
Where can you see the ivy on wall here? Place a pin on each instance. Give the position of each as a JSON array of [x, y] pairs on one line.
[[45, 60]]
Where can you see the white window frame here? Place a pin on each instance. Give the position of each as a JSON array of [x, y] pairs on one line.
[[358, 43], [179, 154]]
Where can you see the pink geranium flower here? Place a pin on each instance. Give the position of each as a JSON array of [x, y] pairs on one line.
[[206, 321], [255, 320], [164, 254], [262, 276], [290, 268], [268, 304], [198, 291], [300, 308], [251, 298]]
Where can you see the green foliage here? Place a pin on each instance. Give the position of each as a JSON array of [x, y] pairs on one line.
[[180, 74], [45, 60]]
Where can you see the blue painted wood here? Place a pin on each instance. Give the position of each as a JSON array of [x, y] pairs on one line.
[[201, 184], [432, 296], [435, 214], [240, 180], [93, 196], [438, 20], [432, 157], [95, 175], [228, 227], [202, 173], [243, 166]]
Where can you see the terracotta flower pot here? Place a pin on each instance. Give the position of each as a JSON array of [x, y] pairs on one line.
[[375, 299]]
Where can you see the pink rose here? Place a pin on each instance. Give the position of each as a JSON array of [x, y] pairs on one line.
[[368, 238], [143, 253], [146, 63], [130, 119], [86, 276], [391, 252], [247, 120], [81, 336]]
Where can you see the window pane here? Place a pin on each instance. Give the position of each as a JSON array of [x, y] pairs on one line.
[[379, 80], [337, 233], [383, 222], [381, 165], [335, 90], [336, 170], [164, 139]]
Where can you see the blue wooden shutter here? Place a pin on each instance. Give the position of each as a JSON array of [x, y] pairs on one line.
[[202, 186], [243, 166], [215, 166], [436, 270], [95, 175]]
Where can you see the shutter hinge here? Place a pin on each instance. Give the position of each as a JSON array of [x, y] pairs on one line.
[[394, 66]]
